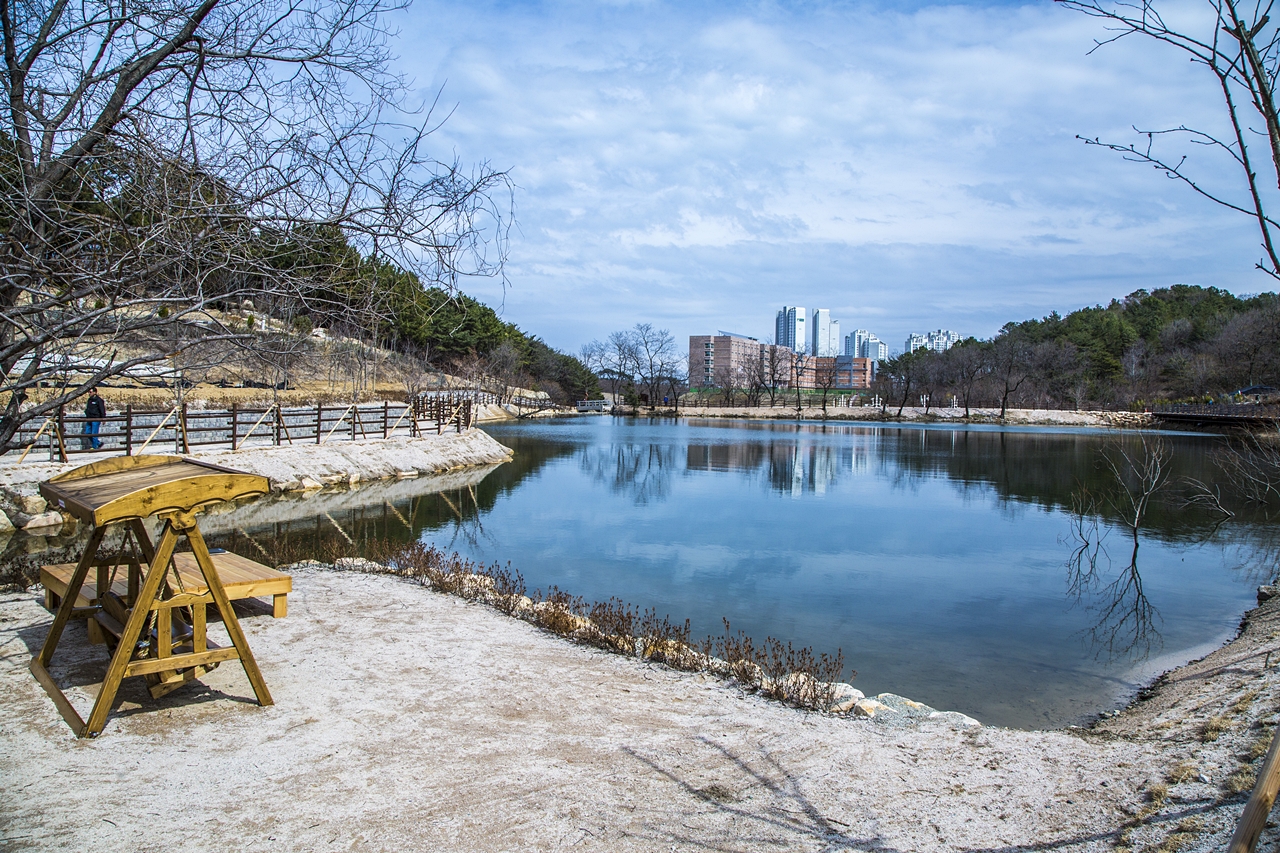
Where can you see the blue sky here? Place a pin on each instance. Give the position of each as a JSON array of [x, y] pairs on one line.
[[697, 166]]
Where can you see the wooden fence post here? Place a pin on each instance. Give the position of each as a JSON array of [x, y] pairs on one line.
[[385, 409], [62, 434], [128, 429], [279, 417], [234, 425], [319, 421], [185, 446]]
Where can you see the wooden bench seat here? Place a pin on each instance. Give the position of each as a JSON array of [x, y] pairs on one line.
[[242, 578]]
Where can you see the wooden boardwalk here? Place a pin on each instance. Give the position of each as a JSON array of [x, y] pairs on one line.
[[1236, 414]]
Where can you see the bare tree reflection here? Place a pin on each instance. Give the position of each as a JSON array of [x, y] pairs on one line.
[[643, 470], [1126, 623]]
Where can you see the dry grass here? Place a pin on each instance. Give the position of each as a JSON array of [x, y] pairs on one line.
[[1213, 728], [216, 397], [1242, 704], [1240, 781], [1183, 835], [1183, 772], [1259, 747]]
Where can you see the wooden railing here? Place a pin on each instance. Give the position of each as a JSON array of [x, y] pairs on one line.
[[1219, 411], [181, 428]]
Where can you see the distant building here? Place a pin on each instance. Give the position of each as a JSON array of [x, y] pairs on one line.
[[862, 344], [875, 349], [853, 372], [715, 360], [790, 329], [821, 341], [838, 373], [940, 340]]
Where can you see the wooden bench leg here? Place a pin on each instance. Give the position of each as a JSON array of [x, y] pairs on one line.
[[51, 601], [279, 605]]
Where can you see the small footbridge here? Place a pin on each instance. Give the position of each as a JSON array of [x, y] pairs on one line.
[[1237, 415]]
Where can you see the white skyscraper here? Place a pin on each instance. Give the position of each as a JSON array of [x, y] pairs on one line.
[[863, 344], [821, 342], [790, 329], [833, 338]]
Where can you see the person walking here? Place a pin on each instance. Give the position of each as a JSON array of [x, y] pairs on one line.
[[95, 410]]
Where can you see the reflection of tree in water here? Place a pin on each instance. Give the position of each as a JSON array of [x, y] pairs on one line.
[[1126, 623], [643, 470]]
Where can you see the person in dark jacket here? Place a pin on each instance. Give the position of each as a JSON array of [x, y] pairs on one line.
[[95, 410]]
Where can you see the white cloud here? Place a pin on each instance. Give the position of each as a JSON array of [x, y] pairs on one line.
[[698, 168]]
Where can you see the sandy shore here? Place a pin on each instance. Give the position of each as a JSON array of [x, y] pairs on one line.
[[410, 720]]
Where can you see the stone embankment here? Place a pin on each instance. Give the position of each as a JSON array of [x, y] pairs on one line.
[[1020, 417], [288, 468]]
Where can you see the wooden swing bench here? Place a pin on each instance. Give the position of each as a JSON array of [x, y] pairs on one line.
[[154, 619]]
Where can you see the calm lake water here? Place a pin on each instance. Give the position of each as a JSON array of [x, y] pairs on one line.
[[943, 561]]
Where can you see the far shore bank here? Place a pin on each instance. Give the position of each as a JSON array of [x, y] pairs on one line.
[[910, 414]]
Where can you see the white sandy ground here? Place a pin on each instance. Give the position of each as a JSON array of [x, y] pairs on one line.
[[409, 720]]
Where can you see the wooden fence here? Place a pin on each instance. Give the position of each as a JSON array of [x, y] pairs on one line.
[[135, 431], [1218, 412]]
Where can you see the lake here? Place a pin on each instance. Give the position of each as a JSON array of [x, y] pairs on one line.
[[948, 563]]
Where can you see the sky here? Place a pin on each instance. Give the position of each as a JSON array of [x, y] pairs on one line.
[[910, 167]]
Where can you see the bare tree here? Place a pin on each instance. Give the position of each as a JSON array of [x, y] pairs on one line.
[[775, 370], [729, 381], [162, 160], [967, 362], [1011, 364], [825, 377], [1239, 45]]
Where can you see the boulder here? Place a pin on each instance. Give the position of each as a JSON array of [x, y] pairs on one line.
[[844, 697], [31, 504], [44, 520], [405, 474], [1266, 593], [5, 524], [869, 708], [358, 564], [309, 484], [895, 699], [955, 718]]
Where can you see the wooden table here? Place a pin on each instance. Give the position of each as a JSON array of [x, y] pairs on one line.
[[153, 619]]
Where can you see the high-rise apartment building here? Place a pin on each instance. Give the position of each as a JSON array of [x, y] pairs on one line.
[[939, 340], [863, 344], [790, 329], [821, 342]]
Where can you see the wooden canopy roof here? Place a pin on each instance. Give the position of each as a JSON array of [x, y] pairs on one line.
[[128, 487]]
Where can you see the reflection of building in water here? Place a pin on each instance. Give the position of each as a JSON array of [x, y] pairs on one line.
[[790, 467], [746, 456]]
